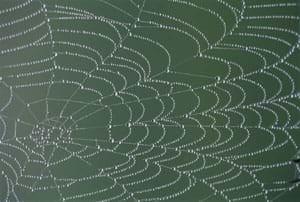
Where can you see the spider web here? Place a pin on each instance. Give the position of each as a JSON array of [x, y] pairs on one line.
[[139, 100]]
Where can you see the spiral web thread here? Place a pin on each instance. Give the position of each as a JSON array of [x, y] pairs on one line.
[[148, 100]]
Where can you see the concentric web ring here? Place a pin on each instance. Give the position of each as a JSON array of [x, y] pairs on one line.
[[149, 100]]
